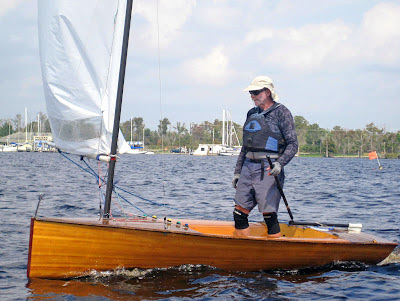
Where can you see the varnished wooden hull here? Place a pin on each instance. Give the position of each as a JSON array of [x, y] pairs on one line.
[[68, 248]]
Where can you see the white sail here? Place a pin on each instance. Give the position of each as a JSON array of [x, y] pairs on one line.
[[80, 53]]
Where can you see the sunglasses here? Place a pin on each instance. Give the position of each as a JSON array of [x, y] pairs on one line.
[[256, 92]]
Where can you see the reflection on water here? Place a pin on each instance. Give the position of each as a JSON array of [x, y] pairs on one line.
[[198, 282], [317, 189]]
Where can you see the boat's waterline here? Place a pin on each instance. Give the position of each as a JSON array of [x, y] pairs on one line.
[[63, 248]]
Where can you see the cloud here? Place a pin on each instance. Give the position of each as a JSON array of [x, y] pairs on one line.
[[382, 22], [380, 34], [259, 35], [307, 48], [212, 69], [172, 15], [7, 5], [333, 45], [222, 14]]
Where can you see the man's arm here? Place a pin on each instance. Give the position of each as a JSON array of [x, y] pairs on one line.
[[286, 125], [239, 163]]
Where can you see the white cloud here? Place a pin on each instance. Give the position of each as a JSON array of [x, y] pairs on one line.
[[380, 34], [341, 52], [172, 15], [334, 45], [258, 35], [382, 22], [7, 5], [222, 14], [213, 69], [307, 48]]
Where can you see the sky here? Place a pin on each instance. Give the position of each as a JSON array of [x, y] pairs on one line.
[[336, 62]]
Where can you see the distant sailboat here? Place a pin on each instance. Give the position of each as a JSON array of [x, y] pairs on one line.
[[10, 147], [83, 48], [136, 147], [229, 136], [227, 147]]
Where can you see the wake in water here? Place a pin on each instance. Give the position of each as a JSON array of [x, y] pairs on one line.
[[190, 269], [141, 273], [394, 257]]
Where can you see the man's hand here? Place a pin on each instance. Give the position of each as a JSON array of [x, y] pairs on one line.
[[235, 180], [276, 169]]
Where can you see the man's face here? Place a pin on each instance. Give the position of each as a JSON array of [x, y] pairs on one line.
[[261, 99]]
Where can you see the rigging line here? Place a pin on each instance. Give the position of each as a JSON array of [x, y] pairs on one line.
[[98, 178], [102, 123], [167, 207], [118, 203], [161, 110], [139, 197], [100, 182], [101, 198], [91, 169], [120, 196], [62, 153], [41, 195], [100, 174]]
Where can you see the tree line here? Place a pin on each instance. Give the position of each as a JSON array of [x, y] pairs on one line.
[[14, 125], [346, 142], [177, 135], [313, 140]]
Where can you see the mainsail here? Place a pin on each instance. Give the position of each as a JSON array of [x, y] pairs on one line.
[[80, 53]]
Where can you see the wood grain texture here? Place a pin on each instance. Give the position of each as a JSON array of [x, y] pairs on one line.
[[68, 248]]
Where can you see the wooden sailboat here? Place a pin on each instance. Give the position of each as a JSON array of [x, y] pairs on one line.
[[63, 248], [145, 243]]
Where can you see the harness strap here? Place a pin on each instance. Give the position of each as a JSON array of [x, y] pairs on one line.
[[262, 167], [262, 170]]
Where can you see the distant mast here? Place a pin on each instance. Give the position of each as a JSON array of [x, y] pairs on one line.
[[117, 116]]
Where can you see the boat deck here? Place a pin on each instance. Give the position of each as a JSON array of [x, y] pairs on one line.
[[258, 230]]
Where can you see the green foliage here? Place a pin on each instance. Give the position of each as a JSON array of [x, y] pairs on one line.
[[392, 156], [163, 126], [313, 140], [5, 128]]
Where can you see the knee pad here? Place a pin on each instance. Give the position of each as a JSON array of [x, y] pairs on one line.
[[241, 219], [271, 219]]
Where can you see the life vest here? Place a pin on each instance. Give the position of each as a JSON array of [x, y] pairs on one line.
[[261, 133]]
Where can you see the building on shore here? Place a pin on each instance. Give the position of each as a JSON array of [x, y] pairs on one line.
[[16, 142]]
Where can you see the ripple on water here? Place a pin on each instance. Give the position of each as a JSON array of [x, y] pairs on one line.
[[317, 189]]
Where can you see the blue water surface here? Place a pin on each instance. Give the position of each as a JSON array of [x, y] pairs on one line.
[[339, 190]]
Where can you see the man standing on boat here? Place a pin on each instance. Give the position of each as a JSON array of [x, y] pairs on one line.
[[269, 131]]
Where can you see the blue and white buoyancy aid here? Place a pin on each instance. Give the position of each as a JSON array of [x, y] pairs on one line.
[[260, 133]]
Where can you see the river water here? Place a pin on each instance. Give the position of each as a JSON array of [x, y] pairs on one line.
[[317, 189]]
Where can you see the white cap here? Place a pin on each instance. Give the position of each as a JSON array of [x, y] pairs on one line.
[[261, 82]]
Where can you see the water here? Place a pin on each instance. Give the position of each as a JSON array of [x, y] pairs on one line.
[[317, 189]]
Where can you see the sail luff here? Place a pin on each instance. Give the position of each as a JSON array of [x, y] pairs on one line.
[[118, 106], [80, 53]]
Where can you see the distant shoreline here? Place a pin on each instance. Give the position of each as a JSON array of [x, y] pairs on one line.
[[158, 152]]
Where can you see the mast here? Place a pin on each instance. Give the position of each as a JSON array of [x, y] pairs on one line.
[[38, 122], [117, 116], [223, 127], [131, 130], [26, 124]]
